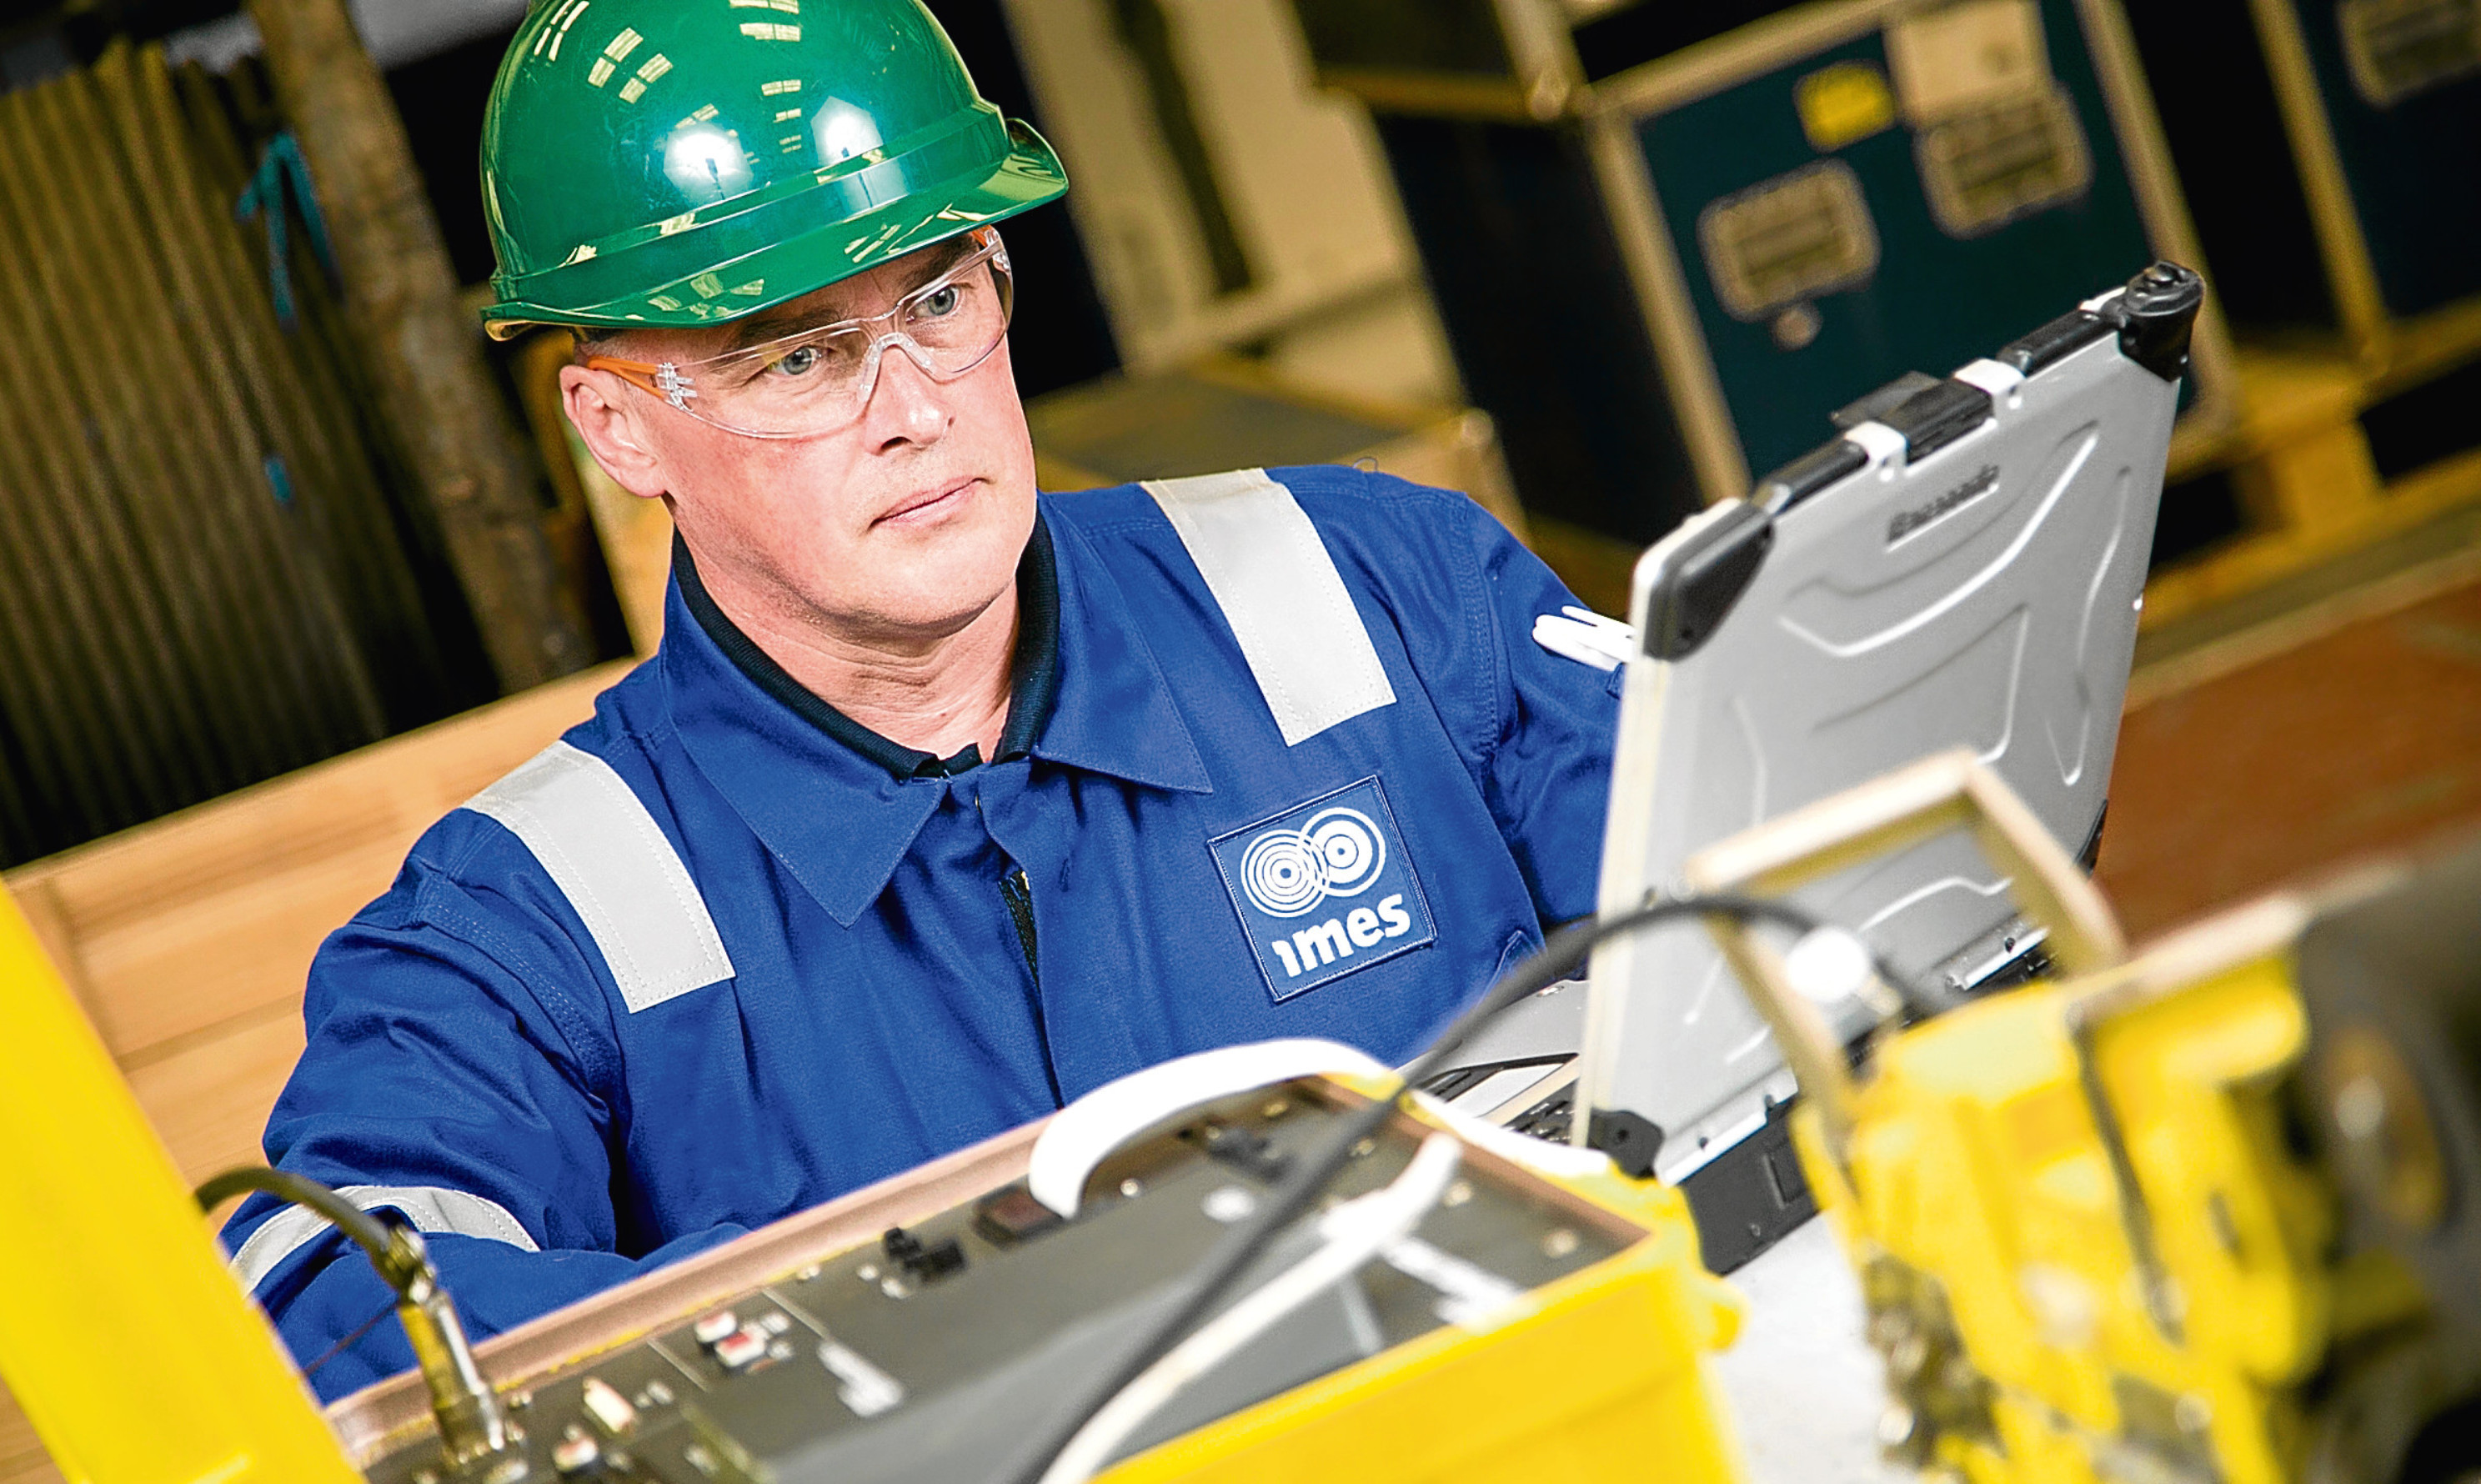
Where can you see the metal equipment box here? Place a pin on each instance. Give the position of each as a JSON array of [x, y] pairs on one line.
[[935, 1350], [1655, 266]]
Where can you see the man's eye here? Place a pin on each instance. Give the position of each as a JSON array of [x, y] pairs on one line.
[[941, 303], [799, 361]]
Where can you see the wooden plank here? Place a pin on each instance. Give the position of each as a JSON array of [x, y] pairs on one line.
[[2254, 563], [22, 1458], [42, 906], [2301, 465], [2326, 481], [218, 945], [37, 1468], [177, 927], [188, 938], [209, 1099], [1459, 452]]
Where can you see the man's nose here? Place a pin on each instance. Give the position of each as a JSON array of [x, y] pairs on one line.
[[906, 406]]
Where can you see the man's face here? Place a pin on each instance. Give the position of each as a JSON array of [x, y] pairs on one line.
[[903, 525]]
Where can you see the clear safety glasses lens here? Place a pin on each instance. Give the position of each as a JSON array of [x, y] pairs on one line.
[[817, 380]]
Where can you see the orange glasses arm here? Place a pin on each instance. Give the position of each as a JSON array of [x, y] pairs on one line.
[[635, 373]]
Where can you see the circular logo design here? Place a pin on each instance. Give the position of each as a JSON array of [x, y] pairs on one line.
[[1339, 853]]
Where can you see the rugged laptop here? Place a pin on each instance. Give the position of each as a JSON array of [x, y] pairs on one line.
[[1964, 564]]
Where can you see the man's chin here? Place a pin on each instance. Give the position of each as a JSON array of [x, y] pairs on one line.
[[942, 576], [916, 617]]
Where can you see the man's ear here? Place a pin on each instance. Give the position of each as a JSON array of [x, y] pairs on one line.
[[597, 404]]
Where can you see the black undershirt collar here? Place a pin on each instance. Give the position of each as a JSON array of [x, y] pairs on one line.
[[1033, 689]]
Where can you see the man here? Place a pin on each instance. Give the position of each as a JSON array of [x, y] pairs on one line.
[[941, 803]]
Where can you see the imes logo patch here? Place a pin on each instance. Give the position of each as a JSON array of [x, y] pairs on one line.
[[1336, 852], [1324, 889]]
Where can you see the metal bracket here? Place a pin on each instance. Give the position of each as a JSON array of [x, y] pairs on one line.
[[1891, 813]]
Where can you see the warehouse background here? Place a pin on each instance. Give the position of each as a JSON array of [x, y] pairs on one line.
[[269, 602]]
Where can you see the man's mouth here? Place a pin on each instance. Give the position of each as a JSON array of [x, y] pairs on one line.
[[929, 504]]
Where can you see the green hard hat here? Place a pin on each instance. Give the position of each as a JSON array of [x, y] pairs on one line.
[[687, 161]]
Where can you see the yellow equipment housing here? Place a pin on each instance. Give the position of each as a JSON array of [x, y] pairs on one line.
[[1588, 1380], [2089, 1245], [2095, 1217], [133, 1353]]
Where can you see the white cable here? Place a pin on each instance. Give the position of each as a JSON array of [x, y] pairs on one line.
[[1353, 1233]]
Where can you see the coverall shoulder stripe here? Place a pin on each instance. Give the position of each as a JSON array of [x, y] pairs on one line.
[[1279, 590], [430, 1209], [589, 829]]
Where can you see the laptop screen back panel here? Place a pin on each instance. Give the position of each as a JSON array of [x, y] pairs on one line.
[[1984, 595]]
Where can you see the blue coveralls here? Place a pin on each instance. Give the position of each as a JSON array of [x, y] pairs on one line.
[[722, 953]]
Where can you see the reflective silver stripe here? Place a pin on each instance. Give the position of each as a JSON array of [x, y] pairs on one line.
[[431, 1209], [1280, 591], [603, 851]]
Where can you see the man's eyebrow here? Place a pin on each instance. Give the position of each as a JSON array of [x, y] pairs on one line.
[[949, 253], [772, 324], [759, 328]]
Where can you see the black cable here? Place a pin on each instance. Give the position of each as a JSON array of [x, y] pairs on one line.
[[367, 1231], [340, 1346], [472, 1425], [1560, 957]]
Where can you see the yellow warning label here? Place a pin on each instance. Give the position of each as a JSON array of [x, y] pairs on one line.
[[1841, 104]]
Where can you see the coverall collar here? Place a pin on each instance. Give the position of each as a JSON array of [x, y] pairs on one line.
[[1033, 688], [840, 804]]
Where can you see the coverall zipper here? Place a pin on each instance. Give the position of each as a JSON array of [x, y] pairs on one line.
[[1017, 889], [1019, 892]]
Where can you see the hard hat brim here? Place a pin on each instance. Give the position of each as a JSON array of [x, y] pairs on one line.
[[1029, 175]]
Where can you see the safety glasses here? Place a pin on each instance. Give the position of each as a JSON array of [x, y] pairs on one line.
[[817, 380]]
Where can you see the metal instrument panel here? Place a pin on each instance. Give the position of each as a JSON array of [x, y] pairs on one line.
[[859, 1364]]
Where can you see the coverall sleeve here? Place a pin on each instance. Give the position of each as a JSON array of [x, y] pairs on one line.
[[1536, 729], [447, 1077], [1544, 744]]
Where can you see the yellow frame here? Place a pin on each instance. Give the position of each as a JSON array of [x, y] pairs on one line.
[[2340, 241], [1546, 76], [1627, 1339]]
